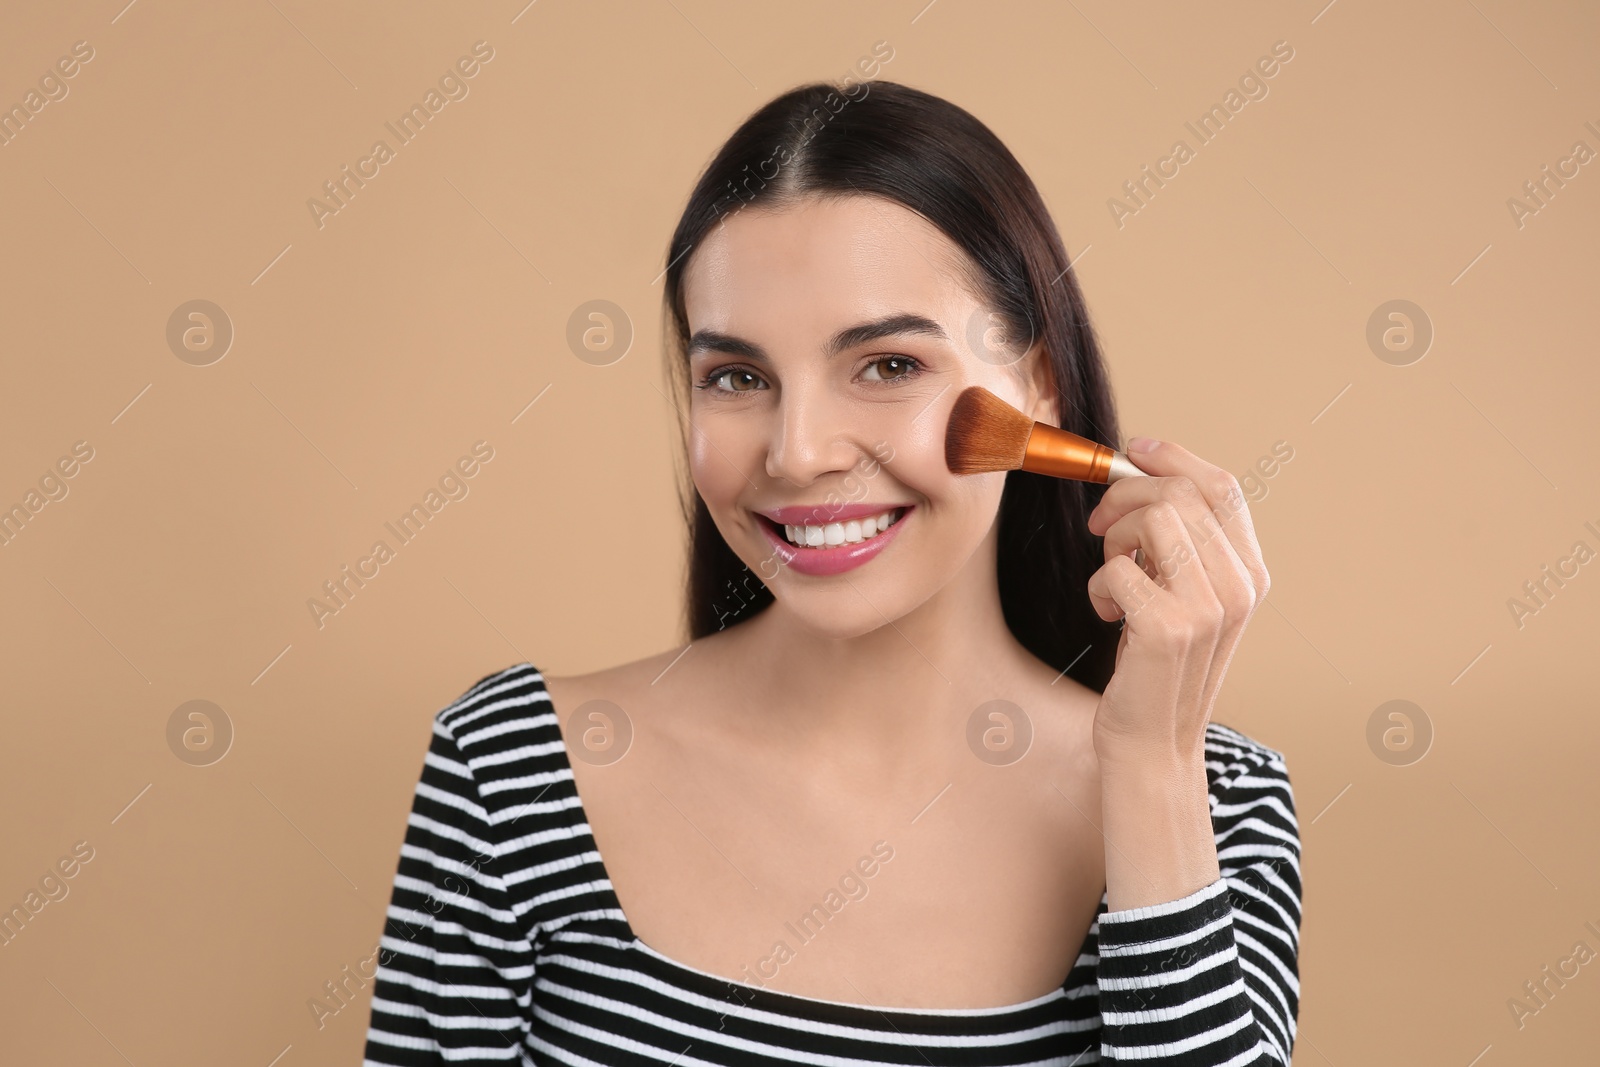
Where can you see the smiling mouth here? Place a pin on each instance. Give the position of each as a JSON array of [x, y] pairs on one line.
[[835, 534]]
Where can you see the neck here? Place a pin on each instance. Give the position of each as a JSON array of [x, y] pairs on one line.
[[878, 693]]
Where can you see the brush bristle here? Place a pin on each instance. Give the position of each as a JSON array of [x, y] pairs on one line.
[[985, 434]]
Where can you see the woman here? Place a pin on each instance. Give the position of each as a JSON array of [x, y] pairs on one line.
[[945, 793]]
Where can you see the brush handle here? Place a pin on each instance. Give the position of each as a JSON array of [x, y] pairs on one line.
[[1063, 454]]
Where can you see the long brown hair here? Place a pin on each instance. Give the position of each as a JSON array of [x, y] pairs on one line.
[[889, 140]]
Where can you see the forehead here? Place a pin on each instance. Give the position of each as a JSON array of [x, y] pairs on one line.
[[818, 262]]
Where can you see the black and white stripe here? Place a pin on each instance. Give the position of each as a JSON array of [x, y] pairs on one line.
[[505, 943]]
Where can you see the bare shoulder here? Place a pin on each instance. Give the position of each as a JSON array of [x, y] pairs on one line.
[[1061, 712], [629, 685], [638, 689]]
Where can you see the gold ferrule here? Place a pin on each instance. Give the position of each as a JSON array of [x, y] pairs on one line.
[[1062, 454]]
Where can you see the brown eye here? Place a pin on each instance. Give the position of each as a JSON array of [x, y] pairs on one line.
[[740, 376], [905, 367], [712, 383]]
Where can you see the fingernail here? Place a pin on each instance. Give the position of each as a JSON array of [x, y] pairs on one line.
[[1142, 444]]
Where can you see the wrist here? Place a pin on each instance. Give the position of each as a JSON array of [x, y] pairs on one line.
[[1163, 787], [1167, 758], [1156, 817]]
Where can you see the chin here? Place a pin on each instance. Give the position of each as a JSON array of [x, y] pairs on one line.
[[856, 603], [839, 616]]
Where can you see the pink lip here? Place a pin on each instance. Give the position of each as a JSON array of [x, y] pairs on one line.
[[822, 514], [835, 560]]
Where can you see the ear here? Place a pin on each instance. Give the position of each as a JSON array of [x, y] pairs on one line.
[[1041, 386]]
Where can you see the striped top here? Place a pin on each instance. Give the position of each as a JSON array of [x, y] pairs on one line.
[[505, 943]]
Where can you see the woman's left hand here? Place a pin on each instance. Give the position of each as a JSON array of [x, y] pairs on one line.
[[1183, 611]]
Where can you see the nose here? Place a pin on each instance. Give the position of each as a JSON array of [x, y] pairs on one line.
[[811, 437]]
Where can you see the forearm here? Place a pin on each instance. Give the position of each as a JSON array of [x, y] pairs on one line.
[[1197, 969], [1156, 818]]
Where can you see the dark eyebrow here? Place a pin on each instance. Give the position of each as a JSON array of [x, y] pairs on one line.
[[850, 337]]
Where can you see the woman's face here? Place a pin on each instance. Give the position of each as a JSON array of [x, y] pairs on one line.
[[829, 341]]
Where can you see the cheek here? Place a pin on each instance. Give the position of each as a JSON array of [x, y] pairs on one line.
[[913, 450], [964, 505], [918, 443], [720, 459]]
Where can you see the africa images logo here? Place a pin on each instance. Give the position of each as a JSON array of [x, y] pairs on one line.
[[452, 86]]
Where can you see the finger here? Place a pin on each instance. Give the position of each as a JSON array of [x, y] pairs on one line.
[[1173, 560], [1191, 620], [1238, 575], [1221, 491], [1121, 590], [1230, 578]]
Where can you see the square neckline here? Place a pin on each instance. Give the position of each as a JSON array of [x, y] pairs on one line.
[[636, 943]]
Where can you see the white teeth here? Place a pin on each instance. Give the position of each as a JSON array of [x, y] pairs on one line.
[[839, 533]]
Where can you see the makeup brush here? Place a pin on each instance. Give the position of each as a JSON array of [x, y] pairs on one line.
[[988, 434]]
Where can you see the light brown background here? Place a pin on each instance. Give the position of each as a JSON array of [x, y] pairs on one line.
[[371, 353]]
